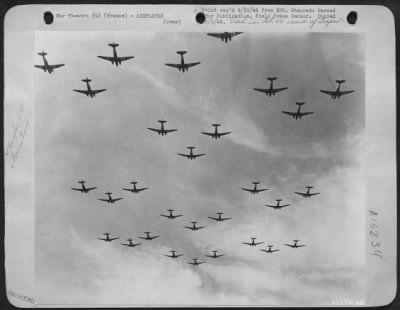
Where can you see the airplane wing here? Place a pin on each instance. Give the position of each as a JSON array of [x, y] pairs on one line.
[[284, 206], [144, 238], [216, 35], [265, 250], [328, 92], [290, 245], [270, 206], [154, 237], [155, 130], [274, 250], [188, 227], [179, 215], [111, 239], [226, 218], [98, 91], [90, 188], [289, 113], [125, 244], [266, 91], [277, 90], [164, 215], [179, 255], [200, 227], [305, 113], [207, 133], [198, 155], [141, 189], [102, 239], [56, 66], [81, 91], [116, 199], [220, 255], [170, 130], [233, 34], [136, 244], [192, 64], [209, 255], [125, 58], [247, 189], [106, 58], [184, 155], [261, 190], [224, 133], [345, 92], [313, 194], [257, 243], [77, 189], [213, 218], [174, 65], [40, 67], [248, 243], [301, 194], [301, 245], [128, 189], [106, 200]]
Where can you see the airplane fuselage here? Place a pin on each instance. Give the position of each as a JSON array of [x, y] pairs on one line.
[[182, 67], [46, 65]]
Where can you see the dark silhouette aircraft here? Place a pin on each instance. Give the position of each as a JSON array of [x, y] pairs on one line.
[[191, 156], [252, 243], [130, 244], [148, 236], [162, 131], [83, 189], [269, 250], [89, 92], [278, 205], [194, 227], [295, 245], [298, 114], [220, 218], [271, 91], [107, 238], [170, 215], [195, 262], [46, 67], [307, 194], [216, 134], [173, 255], [110, 199], [115, 59], [135, 190], [224, 36], [255, 190], [215, 255], [182, 66], [337, 93]]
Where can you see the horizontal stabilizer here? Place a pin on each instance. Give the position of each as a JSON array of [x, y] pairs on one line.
[[271, 78], [340, 81], [86, 80], [113, 44], [181, 52], [216, 125], [162, 121], [42, 54], [299, 103]]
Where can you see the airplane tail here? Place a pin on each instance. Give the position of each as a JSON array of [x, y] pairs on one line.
[[193, 222], [340, 81], [87, 80], [271, 78], [299, 103], [42, 54], [113, 44], [278, 199], [256, 182], [191, 147], [309, 186], [162, 121], [108, 193], [216, 125], [220, 213], [170, 210], [181, 52], [133, 182], [82, 182]]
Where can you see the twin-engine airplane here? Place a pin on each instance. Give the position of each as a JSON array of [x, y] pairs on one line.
[[83, 189], [216, 134], [162, 131], [255, 190], [170, 215], [195, 262], [278, 205], [224, 36], [148, 237], [183, 66], [173, 255], [135, 190], [252, 243], [337, 93], [269, 250], [194, 227], [110, 199], [191, 156], [89, 92], [46, 67], [307, 194], [271, 91], [115, 59], [220, 218], [130, 244], [107, 238], [298, 114], [295, 245], [215, 255]]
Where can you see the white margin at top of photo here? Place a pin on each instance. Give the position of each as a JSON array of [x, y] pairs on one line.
[[375, 22]]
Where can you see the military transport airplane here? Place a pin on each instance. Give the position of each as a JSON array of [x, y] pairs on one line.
[[194, 227], [110, 199], [191, 156], [135, 190], [130, 244], [170, 215], [83, 189], [215, 255], [271, 91], [219, 218], [298, 114], [295, 245], [255, 190], [89, 92], [337, 93], [278, 205], [216, 134], [173, 254], [307, 194], [115, 59], [107, 238], [162, 131], [269, 250], [148, 236], [195, 262], [46, 67], [224, 36], [183, 66], [252, 243]]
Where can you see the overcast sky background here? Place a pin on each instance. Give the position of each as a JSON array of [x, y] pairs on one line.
[[104, 141]]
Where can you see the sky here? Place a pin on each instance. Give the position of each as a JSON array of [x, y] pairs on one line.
[[105, 141]]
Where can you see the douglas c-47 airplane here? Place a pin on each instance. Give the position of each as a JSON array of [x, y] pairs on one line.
[[215, 255], [278, 205], [224, 36], [252, 243], [216, 134], [182, 66], [269, 250], [295, 245], [298, 114], [83, 189], [337, 93], [307, 194], [194, 227], [135, 190], [170, 215], [46, 67], [148, 236], [89, 92], [130, 244], [107, 238], [110, 199], [191, 156], [220, 218], [173, 255], [195, 262], [255, 190], [271, 91], [115, 59], [162, 131]]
